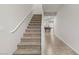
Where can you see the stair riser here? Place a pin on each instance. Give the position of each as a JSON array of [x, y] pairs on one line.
[[20, 52], [32, 30], [38, 33], [39, 53], [37, 18], [34, 26], [35, 22], [28, 47], [30, 40], [31, 35]]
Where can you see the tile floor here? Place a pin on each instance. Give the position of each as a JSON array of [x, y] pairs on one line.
[[54, 46]]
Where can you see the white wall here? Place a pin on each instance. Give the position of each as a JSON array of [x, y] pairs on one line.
[[37, 9], [10, 16], [51, 7], [42, 33], [67, 26]]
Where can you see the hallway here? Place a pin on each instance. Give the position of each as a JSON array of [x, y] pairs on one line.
[[54, 46], [22, 29]]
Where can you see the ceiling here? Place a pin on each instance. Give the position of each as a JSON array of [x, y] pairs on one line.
[[51, 9]]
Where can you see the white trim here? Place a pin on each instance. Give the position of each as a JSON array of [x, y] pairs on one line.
[[66, 43], [19, 24], [42, 34]]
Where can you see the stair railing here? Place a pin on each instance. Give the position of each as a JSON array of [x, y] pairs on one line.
[[20, 23]]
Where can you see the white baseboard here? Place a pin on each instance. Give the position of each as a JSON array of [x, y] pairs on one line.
[[66, 43]]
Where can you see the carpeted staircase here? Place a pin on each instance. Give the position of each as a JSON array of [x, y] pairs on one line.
[[30, 43]]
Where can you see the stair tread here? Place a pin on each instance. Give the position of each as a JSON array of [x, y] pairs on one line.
[[25, 52], [29, 43]]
